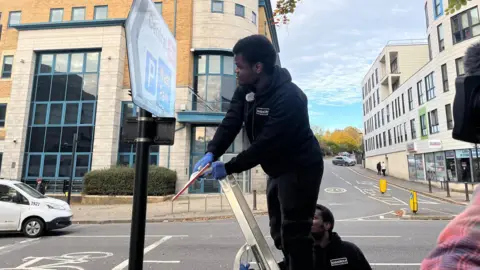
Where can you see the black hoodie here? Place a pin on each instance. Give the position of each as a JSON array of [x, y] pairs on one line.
[[277, 125], [340, 255]]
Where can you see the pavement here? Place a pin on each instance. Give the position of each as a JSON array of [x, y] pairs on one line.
[[363, 215]]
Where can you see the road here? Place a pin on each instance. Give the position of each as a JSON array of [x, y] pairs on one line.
[[362, 217]]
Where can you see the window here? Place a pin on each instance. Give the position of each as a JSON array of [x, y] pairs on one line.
[[394, 66], [217, 6], [444, 78], [465, 25], [389, 138], [375, 121], [395, 134], [421, 94], [374, 100], [78, 14], [430, 87], [388, 114], [448, 112], [413, 131], [423, 125], [383, 117], [3, 112], [369, 85], [459, 66], [215, 83], [378, 96], [239, 10], [100, 13], [410, 99], [64, 99], [127, 152], [441, 39], [405, 130], [159, 7], [403, 103], [56, 14], [14, 18], [429, 49], [438, 8], [433, 121], [426, 15], [7, 66], [384, 139], [254, 17], [376, 75], [373, 81]]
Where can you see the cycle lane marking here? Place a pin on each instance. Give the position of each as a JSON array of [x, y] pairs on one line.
[[124, 264]]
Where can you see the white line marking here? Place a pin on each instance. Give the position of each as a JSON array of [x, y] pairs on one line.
[[395, 264], [161, 261], [360, 218], [124, 264], [441, 212], [371, 236], [8, 248], [390, 201], [118, 236], [359, 189]]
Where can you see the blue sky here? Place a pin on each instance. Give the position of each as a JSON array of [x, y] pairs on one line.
[[329, 45]]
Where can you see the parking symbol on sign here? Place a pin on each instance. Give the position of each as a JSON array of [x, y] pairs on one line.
[[151, 74]]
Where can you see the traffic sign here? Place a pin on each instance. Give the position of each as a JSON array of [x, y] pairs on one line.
[[152, 59]]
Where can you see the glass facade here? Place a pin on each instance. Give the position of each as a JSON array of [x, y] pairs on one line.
[[215, 83], [63, 102], [201, 136], [127, 152], [454, 165]]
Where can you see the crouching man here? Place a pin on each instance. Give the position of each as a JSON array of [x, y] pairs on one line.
[[331, 252]]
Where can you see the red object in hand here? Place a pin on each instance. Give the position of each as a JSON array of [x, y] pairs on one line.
[[193, 178]]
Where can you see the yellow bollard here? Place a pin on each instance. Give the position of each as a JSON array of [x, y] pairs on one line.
[[383, 185], [413, 201]]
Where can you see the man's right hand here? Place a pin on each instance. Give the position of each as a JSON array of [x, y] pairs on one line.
[[208, 158]]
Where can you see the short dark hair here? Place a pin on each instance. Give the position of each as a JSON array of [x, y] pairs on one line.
[[327, 215], [257, 48]]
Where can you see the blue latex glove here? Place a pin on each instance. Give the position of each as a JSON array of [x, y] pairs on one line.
[[245, 266], [218, 170], [208, 158]]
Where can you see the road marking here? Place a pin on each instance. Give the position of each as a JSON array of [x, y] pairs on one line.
[[118, 236], [124, 264], [360, 218], [335, 190], [161, 261], [389, 201], [16, 246], [441, 212], [359, 189], [395, 264], [422, 201], [332, 204], [371, 236]]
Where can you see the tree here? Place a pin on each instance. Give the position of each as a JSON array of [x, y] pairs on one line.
[[453, 5]]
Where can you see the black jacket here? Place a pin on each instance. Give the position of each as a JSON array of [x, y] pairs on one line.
[[340, 255], [277, 125]]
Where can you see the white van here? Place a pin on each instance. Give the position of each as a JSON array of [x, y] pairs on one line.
[[24, 209]]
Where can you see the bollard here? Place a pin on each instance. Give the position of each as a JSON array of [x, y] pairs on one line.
[[254, 199], [188, 204], [429, 185], [413, 202], [206, 203], [382, 185], [467, 196], [221, 202], [172, 207], [448, 188]]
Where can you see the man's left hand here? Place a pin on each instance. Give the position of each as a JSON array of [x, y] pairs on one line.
[[218, 170]]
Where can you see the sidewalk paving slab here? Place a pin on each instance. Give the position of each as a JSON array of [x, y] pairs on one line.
[[437, 193], [185, 208]]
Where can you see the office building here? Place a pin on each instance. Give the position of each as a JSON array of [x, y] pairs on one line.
[[408, 106], [64, 70]]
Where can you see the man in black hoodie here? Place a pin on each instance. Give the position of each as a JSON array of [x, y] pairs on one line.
[[331, 252], [275, 113]]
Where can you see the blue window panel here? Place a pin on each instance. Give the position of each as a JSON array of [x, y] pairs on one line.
[[3, 113], [217, 6], [127, 152], [239, 10], [437, 8], [14, 18], [7, 67], [64, 99], [56, 14]]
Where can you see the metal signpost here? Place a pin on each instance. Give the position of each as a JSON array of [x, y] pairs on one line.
[[152, 56]]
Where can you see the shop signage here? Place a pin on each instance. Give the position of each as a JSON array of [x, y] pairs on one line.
[[412, 147], [435, 144]]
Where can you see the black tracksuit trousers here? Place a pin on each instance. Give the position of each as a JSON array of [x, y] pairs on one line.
[[291, 201]]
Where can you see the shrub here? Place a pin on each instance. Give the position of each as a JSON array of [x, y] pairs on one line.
[[120, 181]]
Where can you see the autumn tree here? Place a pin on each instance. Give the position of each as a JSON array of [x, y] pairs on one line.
[[453, 5]]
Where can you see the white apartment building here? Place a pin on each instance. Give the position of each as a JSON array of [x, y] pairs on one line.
[[408, 98]]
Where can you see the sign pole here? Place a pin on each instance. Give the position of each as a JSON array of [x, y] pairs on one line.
[[72, 170], [139, 210]]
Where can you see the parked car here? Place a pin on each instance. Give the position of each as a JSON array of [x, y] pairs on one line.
[[343, 161], [24, 209]]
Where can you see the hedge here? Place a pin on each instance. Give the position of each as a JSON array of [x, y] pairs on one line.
[[120, 181]]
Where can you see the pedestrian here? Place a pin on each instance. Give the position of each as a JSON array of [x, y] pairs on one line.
[[274, 112], [40, 186], [384, 168], [379, 168], [331, 252]]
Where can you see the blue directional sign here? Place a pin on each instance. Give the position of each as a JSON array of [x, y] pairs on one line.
[[152, 59]]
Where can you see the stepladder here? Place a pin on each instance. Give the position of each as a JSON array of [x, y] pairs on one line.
[[256, 246]]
